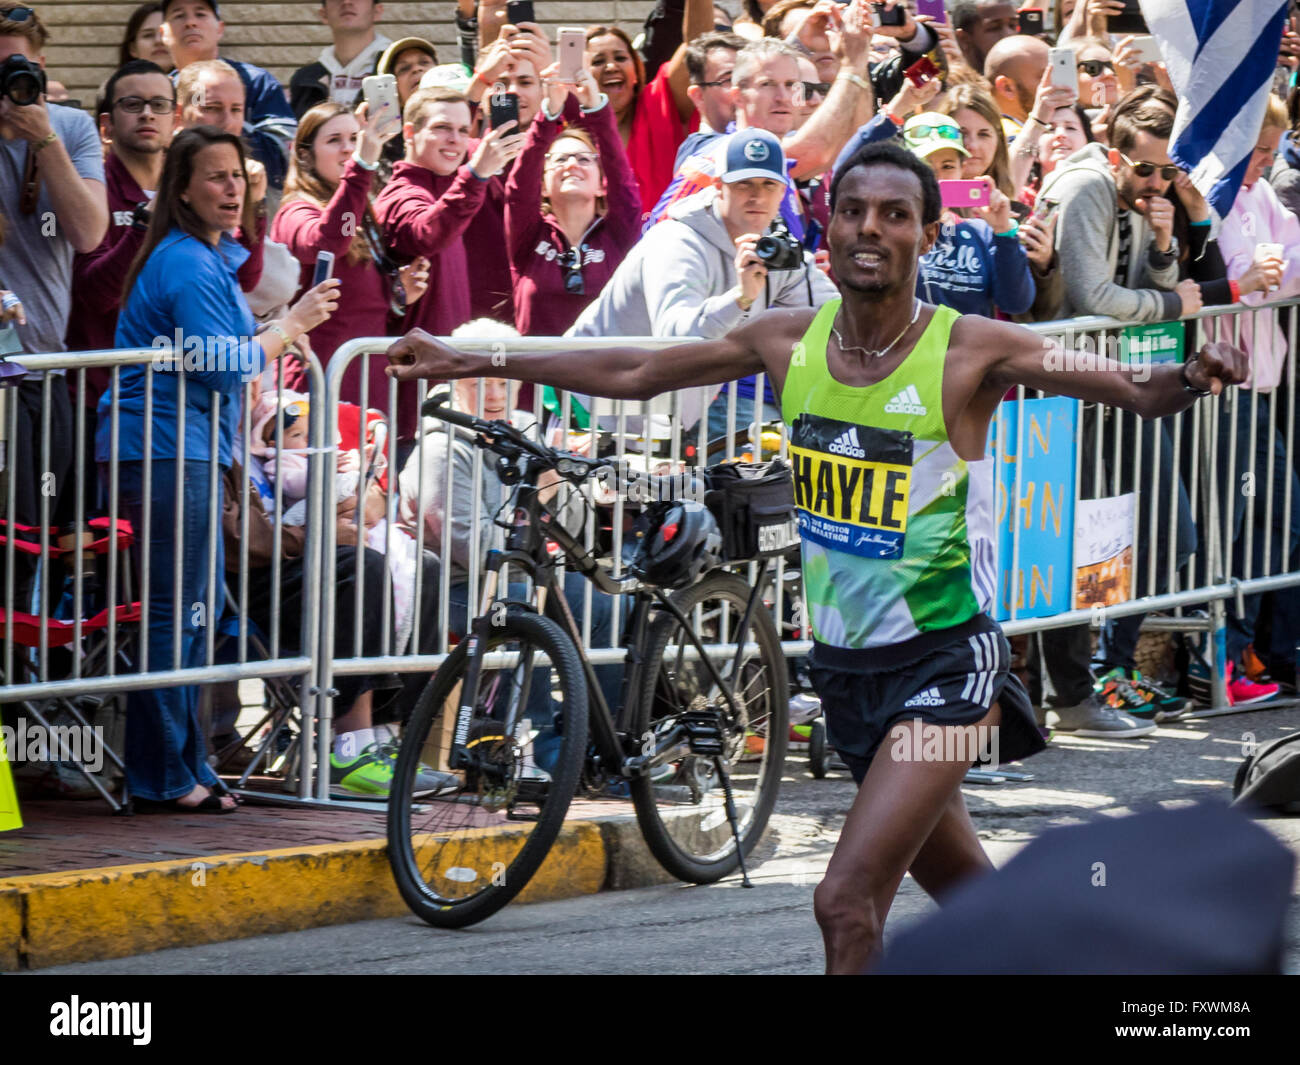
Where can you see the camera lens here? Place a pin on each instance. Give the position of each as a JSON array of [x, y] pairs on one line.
[[22, 86], [767, 249]]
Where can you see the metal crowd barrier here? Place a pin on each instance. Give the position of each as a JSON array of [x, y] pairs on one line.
[[1201, 453]]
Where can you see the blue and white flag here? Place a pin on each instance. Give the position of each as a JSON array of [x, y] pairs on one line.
[[1220, 55]]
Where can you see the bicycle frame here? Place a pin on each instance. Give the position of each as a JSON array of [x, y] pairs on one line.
[[532, 527]]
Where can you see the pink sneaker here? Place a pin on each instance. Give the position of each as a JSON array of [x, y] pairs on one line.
[[1242, 691]]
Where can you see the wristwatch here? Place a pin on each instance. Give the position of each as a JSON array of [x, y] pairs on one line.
[[1168, 256], [1188, 386]]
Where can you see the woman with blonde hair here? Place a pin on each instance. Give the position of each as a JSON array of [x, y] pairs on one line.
[[326, 207], [976, 115]]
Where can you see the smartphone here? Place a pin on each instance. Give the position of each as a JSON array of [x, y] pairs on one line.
[[1130, 21], [502, 107], [571, 42], [1019, 210], [933, 8], [888, 16], [1145, 46], [1065, 71], [973, 193], [1269, 250], [324, 267], [518, 11], [921, 71], [380, 93], [1044, 208], [1031, 20]]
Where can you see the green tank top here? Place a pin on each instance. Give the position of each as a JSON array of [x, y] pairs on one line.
[[897, 530]]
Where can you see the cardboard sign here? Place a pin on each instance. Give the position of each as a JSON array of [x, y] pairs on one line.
[[1103, 551]]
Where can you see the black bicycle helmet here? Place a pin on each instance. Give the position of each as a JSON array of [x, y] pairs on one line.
[[682, 541]]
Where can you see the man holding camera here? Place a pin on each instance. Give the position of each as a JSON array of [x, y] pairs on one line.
[[52, 184], [707, 268]]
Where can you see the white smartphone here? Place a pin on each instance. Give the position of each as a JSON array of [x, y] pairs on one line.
[[1065, 73], [380, 92], [1146, 47], [571, 42], [1269, 250]]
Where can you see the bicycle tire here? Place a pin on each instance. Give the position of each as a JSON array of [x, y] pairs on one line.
[[818, 756], [698, 846], [424, 878]]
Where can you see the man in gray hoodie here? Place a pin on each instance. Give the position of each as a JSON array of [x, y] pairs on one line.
[[698, 273], [1119, 256]]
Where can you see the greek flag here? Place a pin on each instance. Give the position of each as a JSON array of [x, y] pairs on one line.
[[1221, 55]]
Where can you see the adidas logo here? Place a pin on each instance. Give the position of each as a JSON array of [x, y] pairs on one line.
[[907, 401], [930, 697], [847, 444]]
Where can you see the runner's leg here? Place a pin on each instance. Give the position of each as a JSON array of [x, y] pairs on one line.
[[897, 810]]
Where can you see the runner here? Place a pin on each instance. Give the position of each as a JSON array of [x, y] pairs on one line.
[[889, 402]]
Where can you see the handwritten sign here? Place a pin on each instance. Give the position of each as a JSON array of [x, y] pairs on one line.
[[1041, 511], [1103, 551]]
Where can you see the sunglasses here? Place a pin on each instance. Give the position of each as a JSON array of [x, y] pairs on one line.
[[920, 134], [581, 158], [816, 88], [17, 14], [1145, 170], [1093, 67], [134, 105], [571, 264]]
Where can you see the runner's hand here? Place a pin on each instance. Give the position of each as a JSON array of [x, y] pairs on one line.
[[418, 356], [1216, 366]]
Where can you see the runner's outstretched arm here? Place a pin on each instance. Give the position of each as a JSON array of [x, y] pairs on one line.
[[614, 372], [1153, 391]]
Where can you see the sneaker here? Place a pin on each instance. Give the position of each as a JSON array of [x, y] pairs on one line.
[[804, 707], [369, 773], [1092, 717], [1140, 696], [428, 781], [1242, 691]]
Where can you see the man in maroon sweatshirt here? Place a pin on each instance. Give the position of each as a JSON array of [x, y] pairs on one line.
[[137, 116], [432, 197]]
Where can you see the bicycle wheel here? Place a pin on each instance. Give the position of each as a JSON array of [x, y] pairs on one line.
[[683, 816], [459, 857]]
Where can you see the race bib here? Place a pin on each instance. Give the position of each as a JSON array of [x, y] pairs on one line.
[[851, 485]]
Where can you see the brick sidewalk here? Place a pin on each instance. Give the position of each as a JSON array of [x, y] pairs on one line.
[[62, 836]]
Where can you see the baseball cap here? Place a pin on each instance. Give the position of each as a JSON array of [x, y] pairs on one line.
[[453, 75], [931, 132], [216, 12], [752, 153], [386, 61]]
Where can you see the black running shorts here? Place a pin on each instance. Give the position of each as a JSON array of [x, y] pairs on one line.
[[886, 696]]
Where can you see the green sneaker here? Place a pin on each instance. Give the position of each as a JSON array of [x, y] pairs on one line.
[[369, 773], [428, 781], [1131, 692]]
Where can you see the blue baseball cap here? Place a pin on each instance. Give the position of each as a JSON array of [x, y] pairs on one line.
[[752, 153]]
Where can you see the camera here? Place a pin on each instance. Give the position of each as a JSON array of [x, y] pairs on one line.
[[21, 80], [778, 249]]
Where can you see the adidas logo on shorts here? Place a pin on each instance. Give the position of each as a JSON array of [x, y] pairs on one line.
[[930, 697], [907, 401], [847, 444]]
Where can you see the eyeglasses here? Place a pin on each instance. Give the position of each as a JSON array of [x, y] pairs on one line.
[[816, 88], [571, 264], [581, 158], [133, 105], [1145, 170], [919, 134], [17, 14], [1093, 67], [714, 84]]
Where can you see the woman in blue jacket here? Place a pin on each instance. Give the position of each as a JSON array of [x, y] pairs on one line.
[[182, 294]]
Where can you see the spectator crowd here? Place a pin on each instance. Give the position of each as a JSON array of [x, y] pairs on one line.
[[520, 188]]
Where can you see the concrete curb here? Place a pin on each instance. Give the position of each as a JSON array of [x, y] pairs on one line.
[[116, 911]]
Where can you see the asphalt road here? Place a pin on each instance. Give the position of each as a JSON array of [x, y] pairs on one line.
[[770, 929]]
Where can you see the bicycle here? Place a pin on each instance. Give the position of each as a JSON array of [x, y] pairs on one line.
[[698, 741]]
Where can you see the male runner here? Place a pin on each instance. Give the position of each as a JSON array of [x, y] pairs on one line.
[[889, 402]]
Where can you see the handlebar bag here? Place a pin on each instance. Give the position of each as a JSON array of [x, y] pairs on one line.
[[753, 503]]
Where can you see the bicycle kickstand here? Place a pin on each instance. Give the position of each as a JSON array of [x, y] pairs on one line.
[[730, 806]]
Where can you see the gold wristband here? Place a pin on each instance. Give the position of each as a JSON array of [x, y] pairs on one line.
[[744, 302], [45, 141], [279, 330], [857, 79]]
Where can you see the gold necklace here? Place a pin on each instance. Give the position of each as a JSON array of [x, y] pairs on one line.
[[916, 313]]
